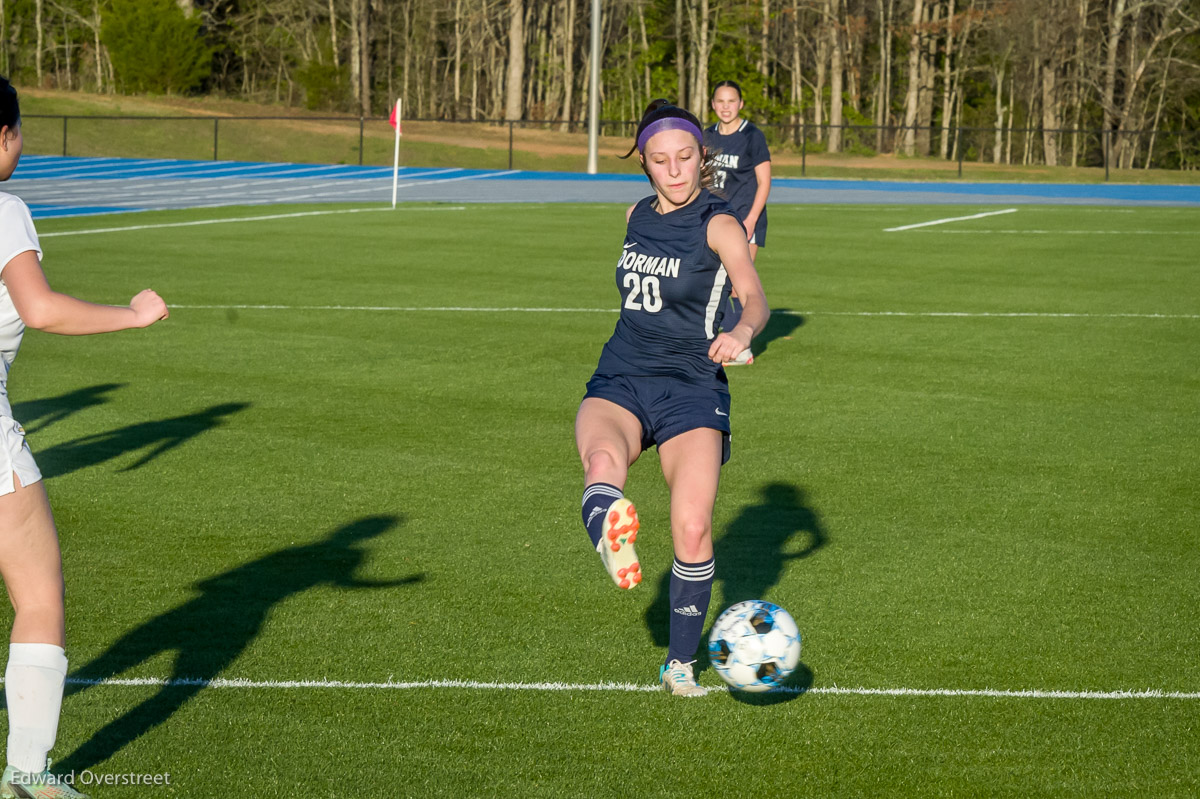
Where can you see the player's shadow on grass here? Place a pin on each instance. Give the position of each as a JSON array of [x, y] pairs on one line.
[[158, 437], [763, 539], [209, 632], [751, 558], [39, 414], [782, 324]]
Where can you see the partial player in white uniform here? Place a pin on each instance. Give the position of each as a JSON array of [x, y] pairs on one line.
[[29, 557]]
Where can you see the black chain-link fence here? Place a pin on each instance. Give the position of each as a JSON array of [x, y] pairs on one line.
[[800, 149]]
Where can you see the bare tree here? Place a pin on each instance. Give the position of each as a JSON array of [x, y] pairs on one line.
[[360, 53], [568, 60], [516, 59], [912, 98], [701, 50], [834, 27]]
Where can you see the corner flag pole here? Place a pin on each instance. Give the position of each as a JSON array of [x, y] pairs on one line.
[[395, 120]]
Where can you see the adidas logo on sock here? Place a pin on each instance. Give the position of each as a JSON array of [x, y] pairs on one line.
[[690, 610], [595, 509]]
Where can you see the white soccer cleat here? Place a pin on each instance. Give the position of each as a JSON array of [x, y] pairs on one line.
[[744, 358], [41, 785], [678, 679], [616, 544]]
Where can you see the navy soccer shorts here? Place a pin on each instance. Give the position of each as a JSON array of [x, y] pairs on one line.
[[666, 407], [760, 231]]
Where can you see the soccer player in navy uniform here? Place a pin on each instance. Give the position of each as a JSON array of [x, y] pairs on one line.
[[660, 380], [743, 176]]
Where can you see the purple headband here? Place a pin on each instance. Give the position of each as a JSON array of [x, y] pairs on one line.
[[667, 123]]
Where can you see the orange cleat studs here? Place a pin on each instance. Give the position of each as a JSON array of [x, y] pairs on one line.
[[637, 577]]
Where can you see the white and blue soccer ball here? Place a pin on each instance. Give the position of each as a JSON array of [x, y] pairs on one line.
[[754, 645]]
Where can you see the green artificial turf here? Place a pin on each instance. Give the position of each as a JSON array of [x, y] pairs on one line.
[[365, 494]]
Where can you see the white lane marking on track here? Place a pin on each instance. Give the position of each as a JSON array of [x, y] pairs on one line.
[[138, 193], [238, 219], [137, 188], [464, 177], [221, 682], [514, 309], [179, 170], [949, 219]]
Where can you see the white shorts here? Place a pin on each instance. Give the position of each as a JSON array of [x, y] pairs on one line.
[[15, 457]]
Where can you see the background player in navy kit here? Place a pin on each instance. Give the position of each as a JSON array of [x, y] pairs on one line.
[[743, 176], [660, 380]]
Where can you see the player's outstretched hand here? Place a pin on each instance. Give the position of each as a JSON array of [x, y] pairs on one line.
[[727, 346], [148, 308]]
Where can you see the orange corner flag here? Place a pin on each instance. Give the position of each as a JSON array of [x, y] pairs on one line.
[[394, 119]]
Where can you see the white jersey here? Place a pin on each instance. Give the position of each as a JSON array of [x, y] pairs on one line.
[[17, 235]]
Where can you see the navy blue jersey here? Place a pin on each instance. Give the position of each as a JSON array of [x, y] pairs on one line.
[[673, 289], [737, 155]]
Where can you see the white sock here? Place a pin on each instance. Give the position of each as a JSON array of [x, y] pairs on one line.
[[33, 688]]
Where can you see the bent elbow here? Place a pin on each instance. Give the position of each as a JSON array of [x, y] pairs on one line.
[[39, 316]]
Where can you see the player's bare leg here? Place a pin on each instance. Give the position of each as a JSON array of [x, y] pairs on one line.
[[691, 464], [32, 569], [31, 565]]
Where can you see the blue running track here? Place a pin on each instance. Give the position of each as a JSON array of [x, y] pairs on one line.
[[57, 186]]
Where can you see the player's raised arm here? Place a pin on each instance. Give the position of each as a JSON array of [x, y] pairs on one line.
[[762, 173], [43, 308], [728, 239]]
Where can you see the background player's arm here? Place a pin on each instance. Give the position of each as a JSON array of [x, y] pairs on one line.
[[762, 173], [727, 238], [43, 308]]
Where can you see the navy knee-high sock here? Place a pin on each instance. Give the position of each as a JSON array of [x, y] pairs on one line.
[[596, 499], [691, 590]]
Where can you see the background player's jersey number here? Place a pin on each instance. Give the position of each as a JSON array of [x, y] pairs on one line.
[[644, 294], [719, 179]]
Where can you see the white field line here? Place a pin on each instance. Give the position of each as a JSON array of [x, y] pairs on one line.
[[1080, 232], [949, 219], [469, 309], [399, 308], [391, 685], [238, 219], [998, 315]]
